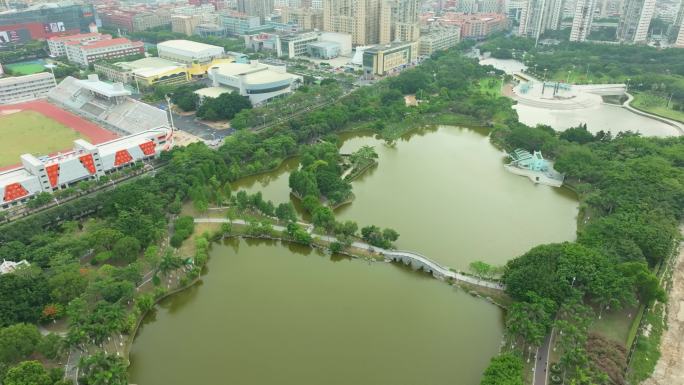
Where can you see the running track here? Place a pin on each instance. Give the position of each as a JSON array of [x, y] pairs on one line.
[[92, 132]]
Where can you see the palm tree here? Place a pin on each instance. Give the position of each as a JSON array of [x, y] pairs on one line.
[[169, 262]]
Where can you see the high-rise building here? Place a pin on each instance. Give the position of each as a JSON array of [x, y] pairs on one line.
[[677, 34], [305, 18], [581, 22], [405, 22], [679, 43], [553, 15], [261, 8], [531, 19], [185, 24], [537, 16], [42, 21], [368, 21], [635, 19]]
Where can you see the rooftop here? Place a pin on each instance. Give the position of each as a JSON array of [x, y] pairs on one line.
[[254, 72], [77, 36], [324, 44], [128, 141], [213, 92], [149, 64], [108, 43], [15, 175], [188, 45], [93, 83], [24, 78]]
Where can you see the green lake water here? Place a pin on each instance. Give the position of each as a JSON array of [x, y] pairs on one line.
[[268, 313]]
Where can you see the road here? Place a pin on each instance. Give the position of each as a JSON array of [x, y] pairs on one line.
[[541, 366]]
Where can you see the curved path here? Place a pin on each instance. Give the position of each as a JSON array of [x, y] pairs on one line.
[[628, 105], [413, 259]]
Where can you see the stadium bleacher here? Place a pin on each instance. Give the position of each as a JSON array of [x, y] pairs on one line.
[[107, 104]]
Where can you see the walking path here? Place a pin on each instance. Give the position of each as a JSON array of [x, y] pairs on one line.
[[670, 367], [628, 105], [541, 366], [408, 257]]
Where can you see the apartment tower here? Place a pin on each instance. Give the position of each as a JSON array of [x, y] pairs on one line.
[[635, 19], [538, 16], [405, 23], [261, 8], [368, 21], [581, 22]]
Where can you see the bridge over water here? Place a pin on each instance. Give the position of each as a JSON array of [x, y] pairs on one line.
[[409, 258]]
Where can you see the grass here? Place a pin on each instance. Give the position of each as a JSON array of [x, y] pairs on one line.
[[32, 132], [656, 105], [647, 349], [490, 86], [616, 325], [25, 68]]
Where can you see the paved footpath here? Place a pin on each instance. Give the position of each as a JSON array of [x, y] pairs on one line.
[[541, 366], [414, 257]]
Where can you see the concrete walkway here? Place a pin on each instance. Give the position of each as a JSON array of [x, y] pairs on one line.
[[541, 365], [407, 257], [628, 105]]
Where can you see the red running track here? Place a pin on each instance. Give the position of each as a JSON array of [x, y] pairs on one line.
[[92, 132]]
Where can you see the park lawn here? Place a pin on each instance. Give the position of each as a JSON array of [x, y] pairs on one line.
[[34, 133], [26, 69], [490, 86], [655, 105], [615, 325]]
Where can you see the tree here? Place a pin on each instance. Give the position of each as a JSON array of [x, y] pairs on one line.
[[169, 262], [286, 212], [101, 369], [126, 249], [23, 297], [144, 302], [481, 269], [224, 107], [28, 373], [390, 235], [323, 217], [18, 341], [531, 320], [504, 369]]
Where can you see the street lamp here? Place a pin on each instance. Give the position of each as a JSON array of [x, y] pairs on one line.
[[168, 104], [51, 67]]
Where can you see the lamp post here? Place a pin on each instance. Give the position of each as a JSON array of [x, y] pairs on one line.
[[168, 104], [51, 67]]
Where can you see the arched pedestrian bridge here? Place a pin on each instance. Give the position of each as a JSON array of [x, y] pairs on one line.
[[409, 258]]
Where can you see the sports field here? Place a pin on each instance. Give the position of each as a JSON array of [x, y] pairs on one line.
[[26, 68], [32, 132]]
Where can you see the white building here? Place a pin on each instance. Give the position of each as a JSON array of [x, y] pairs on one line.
[[537, 16], [343, 39], [581, 21], [189, 52], [57, 44], [294, 45], [635, 20], [10, 266], [23, 88], [87, 52], [438, 40], [259, 82], [85, 162]]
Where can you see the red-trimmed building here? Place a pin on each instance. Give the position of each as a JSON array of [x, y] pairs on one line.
[[57, 44], [85, 162], [84, 53]]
